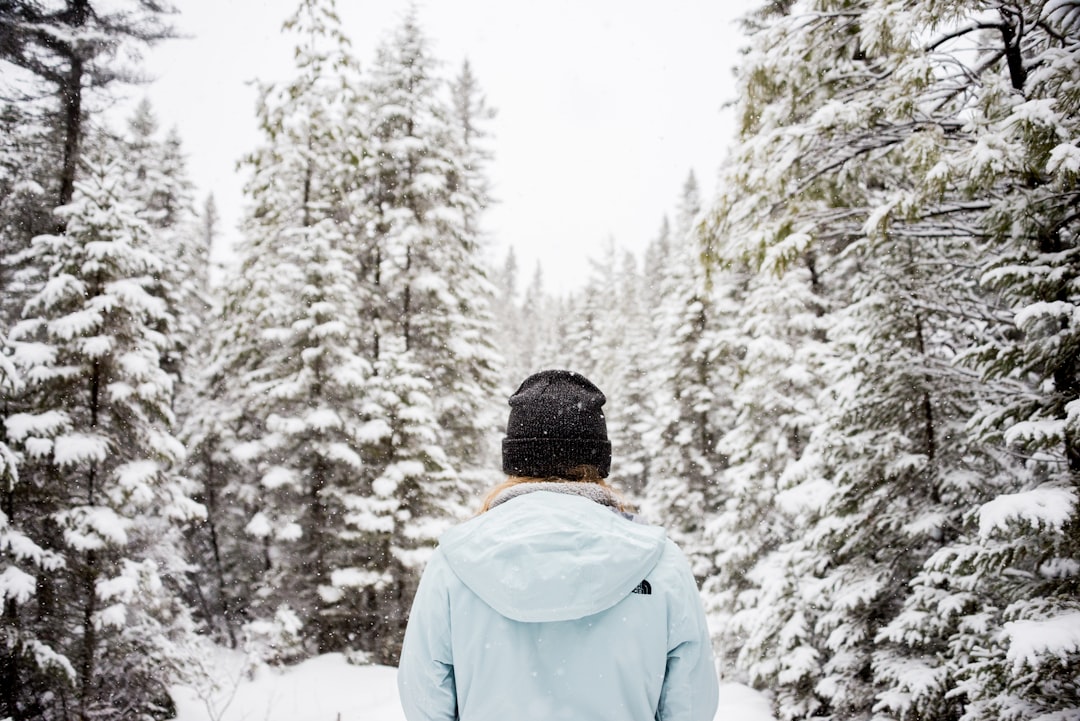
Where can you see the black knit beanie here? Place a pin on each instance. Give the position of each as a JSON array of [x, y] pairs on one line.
[[555, 424]]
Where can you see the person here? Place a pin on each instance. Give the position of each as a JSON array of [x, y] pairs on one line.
[[553, 602]]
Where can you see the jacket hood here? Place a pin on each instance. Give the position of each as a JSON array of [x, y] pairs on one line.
[[551, 557]]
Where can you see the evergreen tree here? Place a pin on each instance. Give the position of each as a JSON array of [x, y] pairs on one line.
[[904, 468], [1011, 580], [590, 343], [209, 220], [632, 413], [436, 369], [158, 173], [27, 185], [99, 493], [606, 336], [94, 631], [779, 361], [280, 459], [655, 266], [895, 167], [158, 185], [513, 322], [71, 48], [28, 664], [470, 112], [540, 321], [684, 487], [404, 508], [422, 192]]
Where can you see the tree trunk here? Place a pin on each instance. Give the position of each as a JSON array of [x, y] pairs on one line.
[[9, 657], [71, 98], [210, 497], [89, 639]]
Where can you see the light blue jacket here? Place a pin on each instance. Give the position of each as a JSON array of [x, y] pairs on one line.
[[551, 606]]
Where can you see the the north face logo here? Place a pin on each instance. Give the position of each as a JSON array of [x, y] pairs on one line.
[[644, 588]]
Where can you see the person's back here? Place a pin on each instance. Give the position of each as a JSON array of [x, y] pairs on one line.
[[552, 605]]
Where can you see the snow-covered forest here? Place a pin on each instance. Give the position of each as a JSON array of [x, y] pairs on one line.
[[848, 384]]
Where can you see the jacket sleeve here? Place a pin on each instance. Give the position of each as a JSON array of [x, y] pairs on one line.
[[691, 690], [426, 670]]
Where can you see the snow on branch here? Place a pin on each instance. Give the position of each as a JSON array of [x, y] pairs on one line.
[[1064, 158], [1048, 507], [91, 528], [1042, 433], [23, 425], [75, 448], [46, 658], [19, 546], [137, 479], [1063, 13], [1030, 640], [16, 585], [359, 578], [278, 476]]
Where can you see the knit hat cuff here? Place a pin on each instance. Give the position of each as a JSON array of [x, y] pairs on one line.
[[552, 457]]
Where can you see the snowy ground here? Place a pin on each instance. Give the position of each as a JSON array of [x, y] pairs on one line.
[[329, 689]]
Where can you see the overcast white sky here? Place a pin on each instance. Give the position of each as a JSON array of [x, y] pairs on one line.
[[604, 106]]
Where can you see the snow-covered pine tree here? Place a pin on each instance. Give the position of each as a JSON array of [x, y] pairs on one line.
[[159, 187], [762, 216], [692, 408], [961, 645], [424, 191], [28, 161], [407, 503], [98, 491], [882, 442], [631, 413], [859, 121], [58, 57], [209, 220], [1009, 583], [278, 444], [29, 665], [432, 325], [26, 170], [541, 319], [62, 54], [227, 560], [470, 113], [151, 185], [647, 395], [655, 263], [904, 468], [72, 49], [510, 317], [590, 343], [771, 481], [608, 338]]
